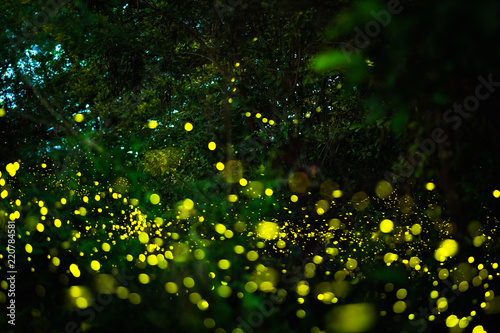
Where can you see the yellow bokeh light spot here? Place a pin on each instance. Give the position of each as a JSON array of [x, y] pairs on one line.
[[414, 261], [452, 321], [152, 124], [14, 167], [496, 193], [386, 226], [154, 199], [28, 248], [195, 298], [430, 186], [15, 215], [106, 247], [199, 254], [232, 198], [224, 264], [171, 287], [78, 117], [220, 166], [2, 112], [351, 264], [294, 198], [40, 227], [463, 286], [95, 265], [390, 257], [357, 317], [73, 268], [267, 230], [209, 323], [447, 248], [152, 259], [251, 286], [337, 194], [56, 261], [443, 274], [268, 192], [220, 228], [478, 240], [81, 302], [159, 221], [238, 249], [399, 307], [144, 237], [442, 304], [134, 298], [303, 288], [243, 182], [317, 259], [82, 211], [383, 189], [188, 204], [252, 255], [322, 206], [416, 229], [212, 145], [202, 305], [76, 291], [401, 293], [188, 282], [143, 278], [464, 322], [188, 127], [224, 291]]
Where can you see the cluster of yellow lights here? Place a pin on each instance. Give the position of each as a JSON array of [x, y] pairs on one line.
[[394, 239]]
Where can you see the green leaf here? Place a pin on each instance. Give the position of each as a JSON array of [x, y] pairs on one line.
[[336, 59], [399, 121]]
